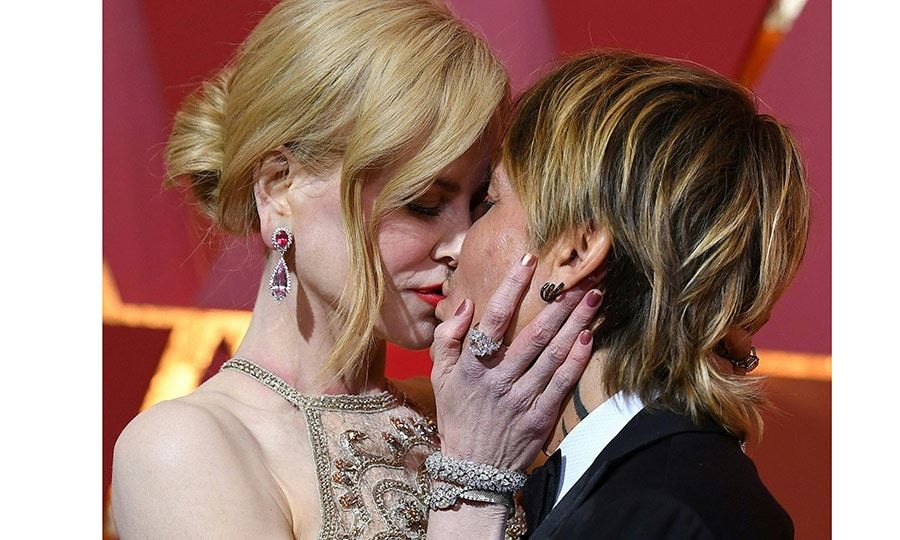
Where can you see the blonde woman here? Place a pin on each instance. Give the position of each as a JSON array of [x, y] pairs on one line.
[[354, 139], [663, 177]]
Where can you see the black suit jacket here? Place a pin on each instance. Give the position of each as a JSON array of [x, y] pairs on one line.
[[662, 476]]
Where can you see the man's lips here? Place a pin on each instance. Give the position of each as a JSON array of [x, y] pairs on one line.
[[431, 294]]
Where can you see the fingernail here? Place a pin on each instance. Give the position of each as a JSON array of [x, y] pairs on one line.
[[584, 337], [461, 308], [593, 298], [528, 259]]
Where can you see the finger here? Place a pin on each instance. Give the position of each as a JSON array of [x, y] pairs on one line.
[[553, 356], [532, 340], [506, 298], [449, 335], [566, 377]]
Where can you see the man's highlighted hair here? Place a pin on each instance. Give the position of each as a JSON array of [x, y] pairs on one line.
[[706, 202]]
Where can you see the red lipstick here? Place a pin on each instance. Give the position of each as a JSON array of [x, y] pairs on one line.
[[432, 294]]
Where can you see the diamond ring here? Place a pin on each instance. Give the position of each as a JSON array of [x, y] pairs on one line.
[[480, 344]]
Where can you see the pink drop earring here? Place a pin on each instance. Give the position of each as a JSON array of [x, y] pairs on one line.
[[280, 282]]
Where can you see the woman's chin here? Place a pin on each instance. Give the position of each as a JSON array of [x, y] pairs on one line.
[[419, 337], [414, 346]]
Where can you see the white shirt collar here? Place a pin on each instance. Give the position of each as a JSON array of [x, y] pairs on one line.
[[590, 436]]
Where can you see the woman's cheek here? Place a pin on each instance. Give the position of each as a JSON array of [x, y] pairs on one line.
[[401, 243]]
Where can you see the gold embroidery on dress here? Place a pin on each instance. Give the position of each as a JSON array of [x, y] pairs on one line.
[[401, 505], [369, 487]]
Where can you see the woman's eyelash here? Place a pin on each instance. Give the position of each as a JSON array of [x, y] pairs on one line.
[[432, 211]]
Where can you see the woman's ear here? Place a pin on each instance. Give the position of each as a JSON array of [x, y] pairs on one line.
[[271, 184], [579, 255]]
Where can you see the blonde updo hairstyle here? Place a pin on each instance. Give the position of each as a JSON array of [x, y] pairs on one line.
[[706, 203], [366, 84]]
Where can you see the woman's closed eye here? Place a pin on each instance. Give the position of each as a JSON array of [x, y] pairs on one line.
[[426, 208]]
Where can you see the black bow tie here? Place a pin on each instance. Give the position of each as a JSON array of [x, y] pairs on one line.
[[539, 492]]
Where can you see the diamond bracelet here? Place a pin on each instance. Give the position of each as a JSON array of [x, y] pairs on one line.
[[474, 476], [445, 496]]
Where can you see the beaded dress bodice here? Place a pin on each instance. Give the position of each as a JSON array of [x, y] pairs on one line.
[[369, 453]]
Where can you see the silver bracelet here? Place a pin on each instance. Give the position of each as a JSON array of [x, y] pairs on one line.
[[471, 475], [445, 496]]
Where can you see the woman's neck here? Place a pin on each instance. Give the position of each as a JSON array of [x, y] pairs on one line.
[[294, 339]]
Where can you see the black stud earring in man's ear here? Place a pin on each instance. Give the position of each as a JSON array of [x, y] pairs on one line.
[[549, 291]]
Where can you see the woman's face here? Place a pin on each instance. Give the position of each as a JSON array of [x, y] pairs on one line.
[[493, 244], [419, 245]]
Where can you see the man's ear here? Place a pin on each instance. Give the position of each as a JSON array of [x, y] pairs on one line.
[[272, 179], [578, 255]]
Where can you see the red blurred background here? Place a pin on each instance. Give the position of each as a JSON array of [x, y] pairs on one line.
[[166, 277]]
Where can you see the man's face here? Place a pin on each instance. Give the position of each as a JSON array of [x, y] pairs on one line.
[[495, 242]]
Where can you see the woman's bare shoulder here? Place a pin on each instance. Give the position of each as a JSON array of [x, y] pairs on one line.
[[419, 390], [173, 432], [184, 468]]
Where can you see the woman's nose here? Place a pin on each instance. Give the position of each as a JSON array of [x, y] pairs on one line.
[[449, 246]]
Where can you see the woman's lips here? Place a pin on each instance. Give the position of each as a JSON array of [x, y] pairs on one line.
[[432, 295]]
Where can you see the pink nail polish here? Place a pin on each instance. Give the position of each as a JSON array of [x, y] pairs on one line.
[[461, 308], [528, 259], [593, 298], [584, 337]]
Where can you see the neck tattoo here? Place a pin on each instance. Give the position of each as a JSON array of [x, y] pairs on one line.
[[580, 409]]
